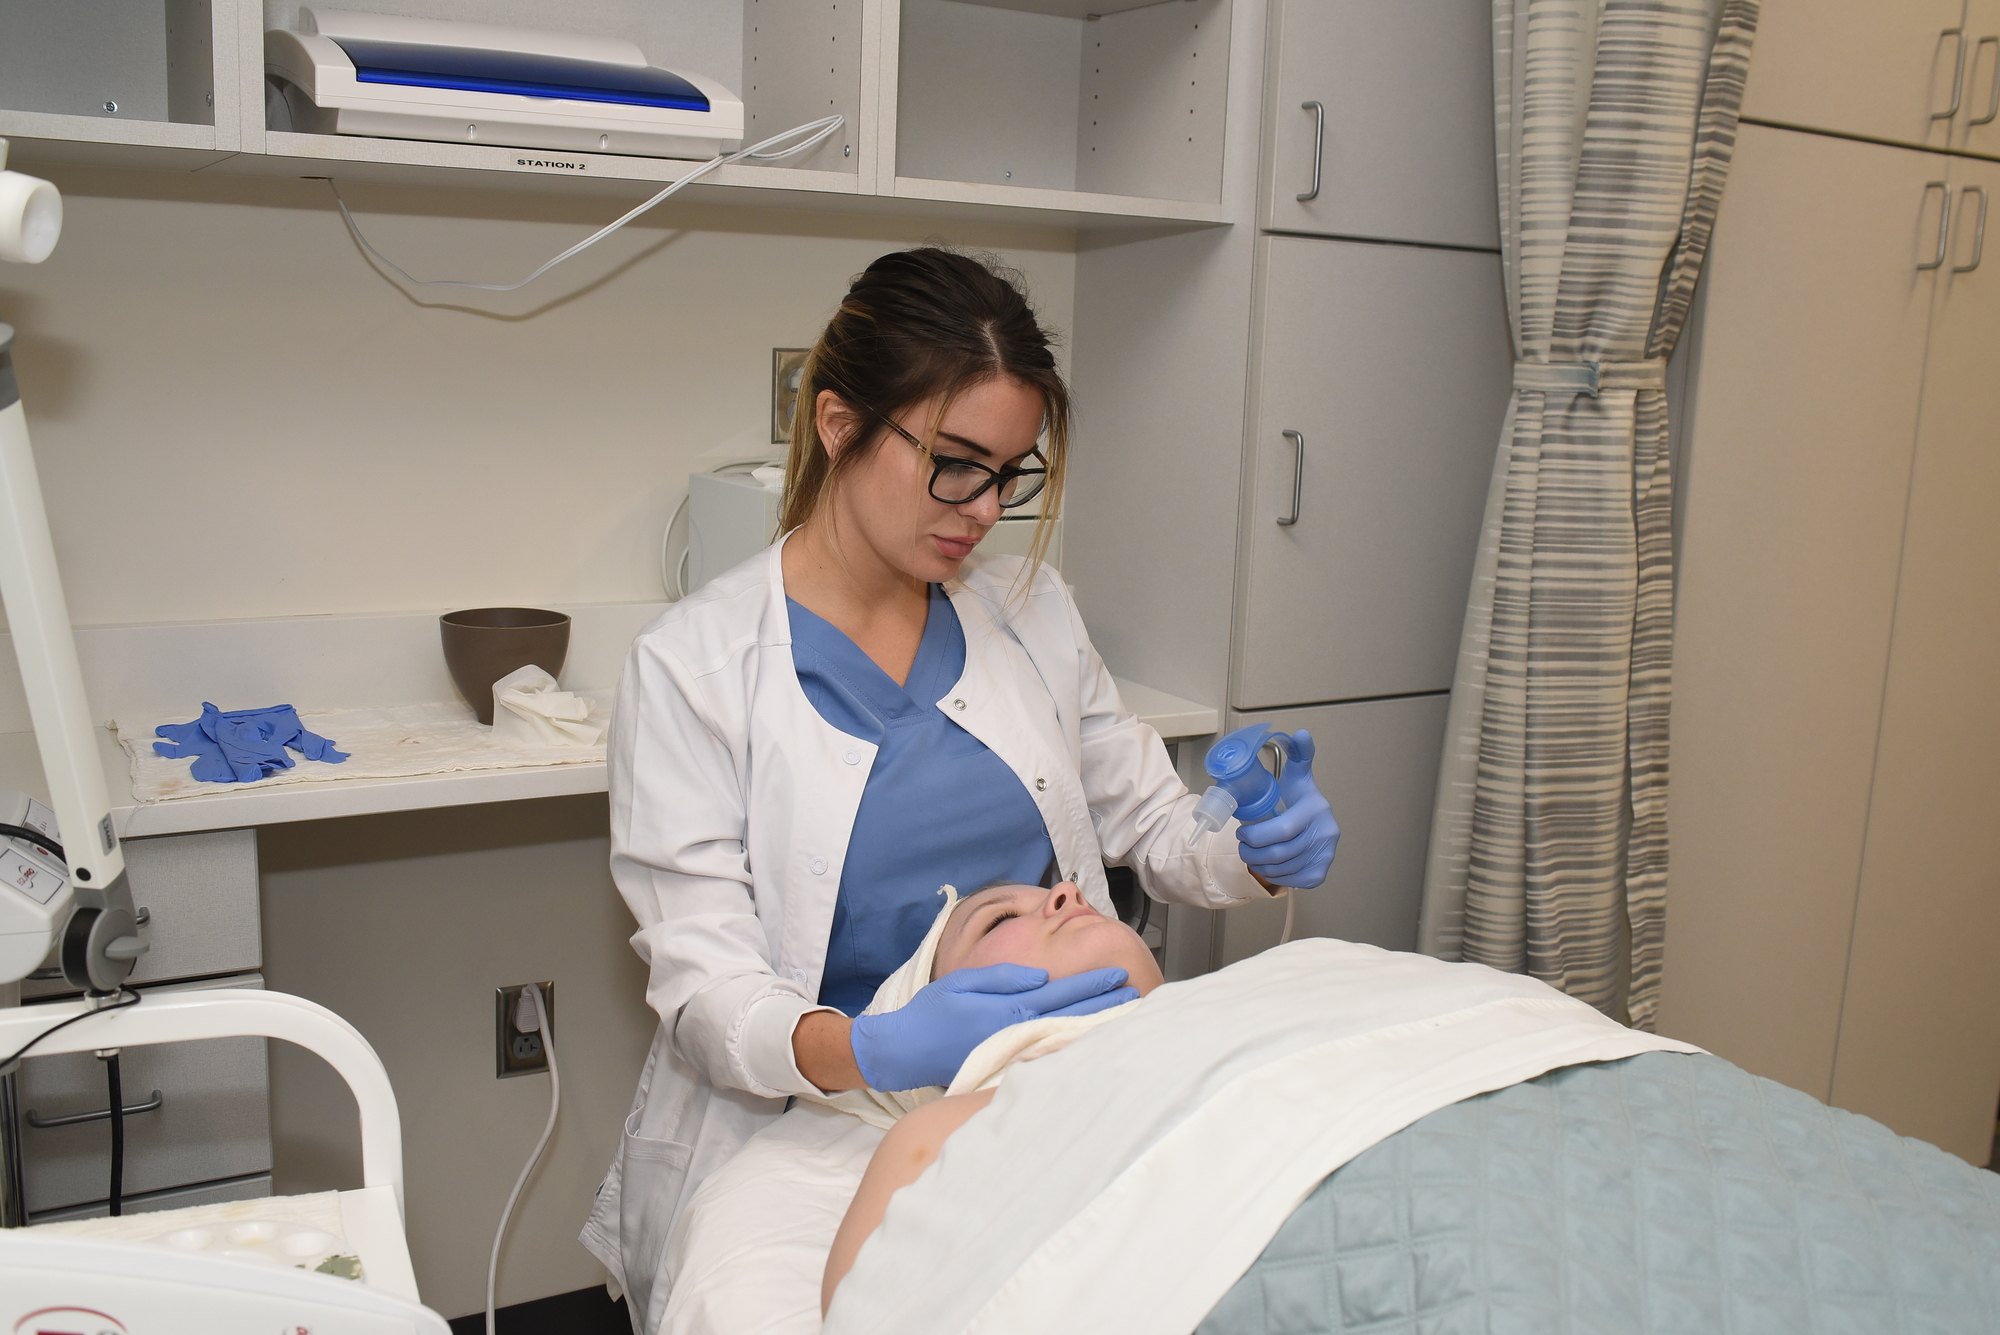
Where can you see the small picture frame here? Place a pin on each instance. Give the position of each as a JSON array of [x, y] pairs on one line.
[[787, 368]]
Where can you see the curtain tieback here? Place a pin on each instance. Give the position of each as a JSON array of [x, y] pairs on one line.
[[1590, 377]]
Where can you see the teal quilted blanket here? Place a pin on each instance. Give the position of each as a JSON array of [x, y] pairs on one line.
[[1663, 1194]]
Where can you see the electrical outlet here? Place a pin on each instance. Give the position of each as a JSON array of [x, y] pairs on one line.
[[516, 1053]]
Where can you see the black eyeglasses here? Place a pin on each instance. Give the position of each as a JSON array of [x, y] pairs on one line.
[[957, 481]]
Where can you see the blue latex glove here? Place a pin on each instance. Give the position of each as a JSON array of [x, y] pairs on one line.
[[926, 1041], [243, 745], [1294, 847]]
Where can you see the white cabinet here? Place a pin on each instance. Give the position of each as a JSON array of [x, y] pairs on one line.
[[1377, 763], [1920, 1021], [1908, 72], [1815, 578], [1371, 129], [1976, 127], [1377, 384], [1382, 379]]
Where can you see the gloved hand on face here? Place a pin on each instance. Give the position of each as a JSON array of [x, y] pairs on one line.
[[1294, 847], [925, 1042]]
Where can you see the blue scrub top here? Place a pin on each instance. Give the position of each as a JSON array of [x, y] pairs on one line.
[[938, 806]]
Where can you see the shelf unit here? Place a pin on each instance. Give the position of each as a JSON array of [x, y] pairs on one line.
[[1072, 113], [141, 84], [1121, 107]]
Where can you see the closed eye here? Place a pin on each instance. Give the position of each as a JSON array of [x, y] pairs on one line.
[[997, 919]]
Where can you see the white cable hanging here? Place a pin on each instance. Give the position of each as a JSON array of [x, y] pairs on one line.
[[816, 131]]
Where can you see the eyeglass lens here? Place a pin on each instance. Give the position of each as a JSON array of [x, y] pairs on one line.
[[957, 481]]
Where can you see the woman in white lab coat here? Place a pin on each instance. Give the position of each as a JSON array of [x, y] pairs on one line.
[[805, 748]]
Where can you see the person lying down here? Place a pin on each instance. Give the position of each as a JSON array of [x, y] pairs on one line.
[[1110, 1143], [1167, 1142], [1054, 930]]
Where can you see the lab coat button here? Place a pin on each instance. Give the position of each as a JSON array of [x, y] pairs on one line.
[[1041, 785], [817, 866], [851, 756], [958, 705]]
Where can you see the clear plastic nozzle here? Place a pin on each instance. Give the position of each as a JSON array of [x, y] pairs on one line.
[[1217, 805]]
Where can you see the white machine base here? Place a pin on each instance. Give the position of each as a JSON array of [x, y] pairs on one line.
[[62, 1285]]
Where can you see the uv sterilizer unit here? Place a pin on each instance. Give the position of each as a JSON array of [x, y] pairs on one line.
[[346, 72]]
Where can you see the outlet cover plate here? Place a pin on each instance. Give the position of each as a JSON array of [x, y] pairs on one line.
[[525, 1056]]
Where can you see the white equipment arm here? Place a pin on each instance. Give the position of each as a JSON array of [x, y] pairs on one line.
[[92, 916]]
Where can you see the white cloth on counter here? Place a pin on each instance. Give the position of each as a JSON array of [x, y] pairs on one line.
[[396, 742], [530, 711]]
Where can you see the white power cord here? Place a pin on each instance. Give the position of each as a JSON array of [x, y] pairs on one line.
[[533, 997], [816, 131]]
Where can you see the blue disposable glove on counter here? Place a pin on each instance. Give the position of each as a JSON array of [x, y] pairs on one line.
[[1294, 847], [925, 1042], [243, 745]]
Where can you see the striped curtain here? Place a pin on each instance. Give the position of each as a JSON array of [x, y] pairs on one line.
[[1615, 122]]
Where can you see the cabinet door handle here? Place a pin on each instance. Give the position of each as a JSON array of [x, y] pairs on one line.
[[1993, 90], [1978, 229], [1298, 475], [1957, 76], [41, 1123], [1944, 223], [1318, 109]]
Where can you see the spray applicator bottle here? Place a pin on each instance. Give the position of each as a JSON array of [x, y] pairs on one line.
[[1244, 787]]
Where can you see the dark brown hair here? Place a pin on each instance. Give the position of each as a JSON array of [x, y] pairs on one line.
[[916, 324]]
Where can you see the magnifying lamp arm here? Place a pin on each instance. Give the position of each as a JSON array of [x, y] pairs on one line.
[[92, 917]]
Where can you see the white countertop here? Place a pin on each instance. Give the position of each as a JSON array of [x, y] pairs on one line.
[[297, 651]]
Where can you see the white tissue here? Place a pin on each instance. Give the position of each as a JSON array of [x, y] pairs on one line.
[[528, 710]]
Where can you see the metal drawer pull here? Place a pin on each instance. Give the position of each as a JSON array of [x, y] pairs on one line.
[[1944, 223], [1978, 229], [1318, 109], [1992, 92], [1298, 475], [1957, 77], [41, 1123]]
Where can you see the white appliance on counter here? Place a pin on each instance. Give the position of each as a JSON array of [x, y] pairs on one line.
[[731, 517], [346, 72]]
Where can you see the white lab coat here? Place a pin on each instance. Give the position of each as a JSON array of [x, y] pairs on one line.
[[731, 805]]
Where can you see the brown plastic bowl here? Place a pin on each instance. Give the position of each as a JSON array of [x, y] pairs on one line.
[[484, 644]]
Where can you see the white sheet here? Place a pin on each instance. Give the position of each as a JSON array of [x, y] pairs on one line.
[[1126, 1182], [1164, 1147], [747, 1254]]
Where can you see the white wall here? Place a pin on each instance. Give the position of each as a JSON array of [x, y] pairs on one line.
[[236, 416]]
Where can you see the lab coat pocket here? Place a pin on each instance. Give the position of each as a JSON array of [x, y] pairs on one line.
[[652, 1173]]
